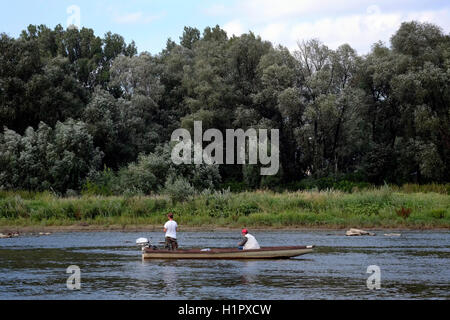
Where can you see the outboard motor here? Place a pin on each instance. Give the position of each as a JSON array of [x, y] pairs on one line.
[[143, 243]]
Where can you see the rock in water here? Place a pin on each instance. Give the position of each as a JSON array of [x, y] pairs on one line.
[[358, 232], [9, 235]]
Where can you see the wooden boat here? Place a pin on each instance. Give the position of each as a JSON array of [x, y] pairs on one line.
[[228, 253]]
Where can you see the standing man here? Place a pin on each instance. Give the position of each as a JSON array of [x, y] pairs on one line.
[[170, 228], [249, 242]]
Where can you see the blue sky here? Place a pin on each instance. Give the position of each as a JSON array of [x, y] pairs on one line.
[[150, 23]]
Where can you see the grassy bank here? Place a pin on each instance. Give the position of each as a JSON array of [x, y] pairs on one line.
[[383, 207]]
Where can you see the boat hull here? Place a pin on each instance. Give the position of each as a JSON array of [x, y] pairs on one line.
[[263, 253]]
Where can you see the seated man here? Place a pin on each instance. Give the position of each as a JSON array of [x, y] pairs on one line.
[[170, 228], [249, 242]]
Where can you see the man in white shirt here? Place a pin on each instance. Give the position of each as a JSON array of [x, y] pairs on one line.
[[249, 242], [170, 228]]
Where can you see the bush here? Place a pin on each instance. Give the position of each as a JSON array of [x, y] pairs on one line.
[[71, 193], [234, 186], [217, 203], [247, 208], [424, 188], [328, 183], [178, 189], [404, 213], [46, 158], [438, 213], [13, 208], [104, 183], [148, 174]]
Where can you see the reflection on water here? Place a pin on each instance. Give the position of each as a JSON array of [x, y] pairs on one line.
[[169, 275], [249, 271], [413, 266]]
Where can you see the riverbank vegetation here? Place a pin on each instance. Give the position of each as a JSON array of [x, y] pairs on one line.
[[385, 207], [86, 123], [88, 114]]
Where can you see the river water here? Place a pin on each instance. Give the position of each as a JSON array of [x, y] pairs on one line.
[[412, 266]]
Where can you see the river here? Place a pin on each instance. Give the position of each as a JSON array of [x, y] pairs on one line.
[[414, 265]]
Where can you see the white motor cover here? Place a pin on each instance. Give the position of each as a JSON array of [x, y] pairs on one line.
[[142, 242]]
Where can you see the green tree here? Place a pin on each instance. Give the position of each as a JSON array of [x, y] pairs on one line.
[[43, 159]]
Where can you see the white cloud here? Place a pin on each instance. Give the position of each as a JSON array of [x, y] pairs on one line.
[[439, 17], [138, 17], [216, 10], [234, 27], [358, 23], [274, 31], [361, 31], [128, 18], [267, 10]]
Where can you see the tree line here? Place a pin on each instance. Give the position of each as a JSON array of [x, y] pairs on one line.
[[78, 111]]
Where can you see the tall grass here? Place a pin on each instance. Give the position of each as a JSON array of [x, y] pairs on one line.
[[376, 207]]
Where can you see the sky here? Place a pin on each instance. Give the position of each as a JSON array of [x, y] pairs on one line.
[[150, 23]]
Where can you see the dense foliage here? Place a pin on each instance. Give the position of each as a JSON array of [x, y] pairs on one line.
[[84, 113]]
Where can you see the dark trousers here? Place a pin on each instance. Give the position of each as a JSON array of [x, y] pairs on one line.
[[171, 243]]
